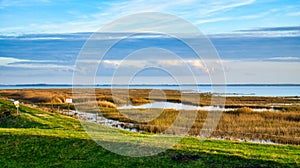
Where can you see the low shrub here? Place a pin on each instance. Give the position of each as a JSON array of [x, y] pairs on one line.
[[106, 104], [240, 110]]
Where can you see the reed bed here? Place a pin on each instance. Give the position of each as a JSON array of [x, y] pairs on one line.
[[243, 124]]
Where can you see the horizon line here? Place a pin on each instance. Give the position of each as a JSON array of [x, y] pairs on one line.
[[211, 35], [163, 84]]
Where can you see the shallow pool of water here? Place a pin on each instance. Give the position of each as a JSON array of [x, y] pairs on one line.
[[180, 106], [93, 117]]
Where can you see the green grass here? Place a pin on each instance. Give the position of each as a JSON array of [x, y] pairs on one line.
[[42, 139]]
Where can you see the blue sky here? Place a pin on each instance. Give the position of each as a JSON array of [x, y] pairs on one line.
[[257, 41], [212, 17]]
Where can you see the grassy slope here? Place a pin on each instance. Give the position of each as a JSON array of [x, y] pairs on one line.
[[42, 139]]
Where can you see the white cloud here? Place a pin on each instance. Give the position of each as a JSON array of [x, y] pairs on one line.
[[8, 3], [244, 17], [40, 66], [4, 61], [111, 63], [293, 14], [195, 65], [262, 72], [284, 58], [235, 72], [218, 6], [203, 21], [266, 34], [31, 64]]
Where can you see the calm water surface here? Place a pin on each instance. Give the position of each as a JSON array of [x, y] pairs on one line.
[[230, 90]]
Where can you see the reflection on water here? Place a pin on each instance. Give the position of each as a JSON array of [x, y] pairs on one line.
[[180, 106], [164, 105]]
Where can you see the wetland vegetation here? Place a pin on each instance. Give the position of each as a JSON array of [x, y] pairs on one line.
[[241, 122], [38, 138]]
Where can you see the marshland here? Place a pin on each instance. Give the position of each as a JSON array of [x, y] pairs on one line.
[[243, 118], [50, 132]]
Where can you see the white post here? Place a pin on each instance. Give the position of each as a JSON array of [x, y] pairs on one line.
[[17, 104], [69, 101]]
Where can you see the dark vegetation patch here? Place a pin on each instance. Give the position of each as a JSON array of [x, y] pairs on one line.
[[184, 157]]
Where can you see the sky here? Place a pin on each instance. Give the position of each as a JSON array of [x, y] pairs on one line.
[[257, 41], [212, 17]]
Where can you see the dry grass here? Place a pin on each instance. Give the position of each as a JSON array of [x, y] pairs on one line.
[[275, 126], [36, 95], [238, 124], [242, 123], [106, 104], [140, 96]]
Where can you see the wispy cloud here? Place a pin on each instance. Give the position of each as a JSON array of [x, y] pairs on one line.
[[199, 12], [293, 14], [287, 28], [181, 8], [288, 31], [8, 3], [92, 21], [32, 64], [4, 61], [241, 17], [202, 21], [285, 58], [218, 6], [40, 66]]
